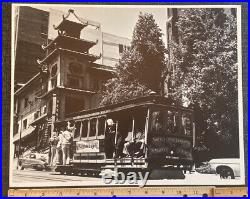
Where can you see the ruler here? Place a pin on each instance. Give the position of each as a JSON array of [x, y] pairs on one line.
[[133, 191], [231, 191]]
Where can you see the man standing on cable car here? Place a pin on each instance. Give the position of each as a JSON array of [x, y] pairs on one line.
[[110, 138], [65, 142]]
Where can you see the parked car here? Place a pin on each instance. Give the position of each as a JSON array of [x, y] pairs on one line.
[[227, 168], [34, 160]]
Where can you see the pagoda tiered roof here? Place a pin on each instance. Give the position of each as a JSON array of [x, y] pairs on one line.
[[69, 19], [72, 43], [102, 68], [68, 40], [89, 57]]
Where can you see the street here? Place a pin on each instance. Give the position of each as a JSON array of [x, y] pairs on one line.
[[30, 175], [33, 178]]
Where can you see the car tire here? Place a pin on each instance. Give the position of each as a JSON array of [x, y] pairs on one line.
[[226, 173], [39, 169], [20, 166]]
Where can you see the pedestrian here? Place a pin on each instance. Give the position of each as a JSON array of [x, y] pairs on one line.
[[59, 149], [53, 145], [66, 140]]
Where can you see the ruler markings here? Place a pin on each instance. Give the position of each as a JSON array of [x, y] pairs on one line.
[[135, 191]]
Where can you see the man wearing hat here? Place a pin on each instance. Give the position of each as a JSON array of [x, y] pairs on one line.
[[110, 138]]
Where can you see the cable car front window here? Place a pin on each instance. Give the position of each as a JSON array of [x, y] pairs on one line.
[[170, 122], [187, 124], [157, 122]]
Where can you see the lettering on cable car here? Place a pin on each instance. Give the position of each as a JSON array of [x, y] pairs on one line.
[[87, 146]]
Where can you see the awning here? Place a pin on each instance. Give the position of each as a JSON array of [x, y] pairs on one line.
[[24, 133]]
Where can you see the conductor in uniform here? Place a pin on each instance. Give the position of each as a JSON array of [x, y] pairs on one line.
[[110, 138]]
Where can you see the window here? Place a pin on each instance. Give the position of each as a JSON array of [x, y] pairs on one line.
[[77, 130], [53, 83], [178, 124], [187, 125], [25, 124], [44, 109], [101, 125], [84, 128], [53, 70], [36, 115], [50, 107], [157, 122], [92, 127], [17, 128], [167, 122], [170, 123], [44, 35], [26, 101], [120, 48], [44, 29]]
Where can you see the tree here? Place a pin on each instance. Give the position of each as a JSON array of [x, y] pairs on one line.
[[141, 68], [205, 63]]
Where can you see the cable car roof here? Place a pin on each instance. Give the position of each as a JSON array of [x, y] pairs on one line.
[[125, 105]]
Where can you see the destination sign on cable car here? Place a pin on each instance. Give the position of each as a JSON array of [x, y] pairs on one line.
[[84, 146]]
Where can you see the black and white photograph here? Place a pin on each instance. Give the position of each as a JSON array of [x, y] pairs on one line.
[[126, 95]]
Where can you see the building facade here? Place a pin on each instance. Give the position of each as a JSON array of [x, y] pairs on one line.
[[68, 81], [31, 31], [34, 27]]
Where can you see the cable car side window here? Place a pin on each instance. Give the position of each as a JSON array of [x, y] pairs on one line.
[[77, 130], [92, 127], [84, 128], [101, 125]]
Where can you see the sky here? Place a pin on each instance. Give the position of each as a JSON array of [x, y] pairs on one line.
[[119, 20]]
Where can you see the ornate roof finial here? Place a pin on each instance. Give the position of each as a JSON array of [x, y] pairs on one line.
[[71, 16]]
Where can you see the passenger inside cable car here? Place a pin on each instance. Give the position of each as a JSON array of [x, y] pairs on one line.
[[125, 137], [133, 136], [134, 146]]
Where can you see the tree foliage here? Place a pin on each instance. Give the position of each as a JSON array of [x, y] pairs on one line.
[[205, 67], [140, 69]]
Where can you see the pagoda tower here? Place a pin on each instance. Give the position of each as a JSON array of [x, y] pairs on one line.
[[67, 66]]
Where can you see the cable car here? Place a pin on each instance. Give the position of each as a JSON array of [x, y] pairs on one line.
[[148, 133]]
